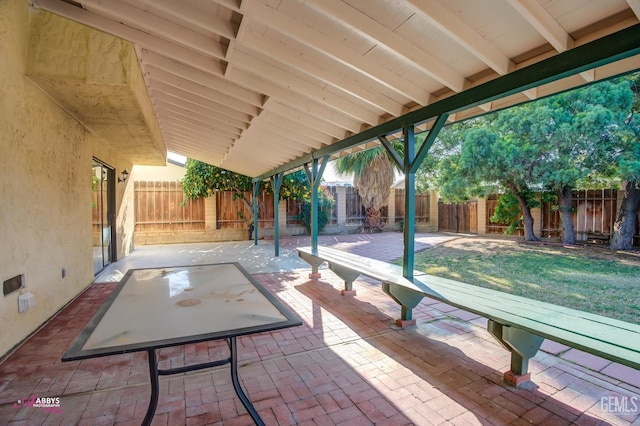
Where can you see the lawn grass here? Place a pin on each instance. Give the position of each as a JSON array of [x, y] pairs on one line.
[[592, 279]]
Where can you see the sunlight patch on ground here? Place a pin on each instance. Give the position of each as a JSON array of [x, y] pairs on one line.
[[502, 283], [438, 270]]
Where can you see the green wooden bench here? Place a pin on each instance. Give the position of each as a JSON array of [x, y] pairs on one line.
[[519, 324]]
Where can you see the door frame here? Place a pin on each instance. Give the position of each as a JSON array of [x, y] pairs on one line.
[[111, 211]]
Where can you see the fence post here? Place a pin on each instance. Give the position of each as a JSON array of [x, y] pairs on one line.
[[341, 194], [210, 213], [391, 208], [482, 215], [434, 214]]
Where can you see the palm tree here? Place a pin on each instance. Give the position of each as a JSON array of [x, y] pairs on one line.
[[373, 175]]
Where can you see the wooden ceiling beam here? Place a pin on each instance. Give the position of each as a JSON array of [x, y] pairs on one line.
[[302, 87], [457, 30], [209, 78], [157, 26], [618, 46], [260, 45], [311, 37], [294, 100], [195, 119], [204, 105], [182, 10], [380, 34], [285, 111], [536, 15], [175, 99]]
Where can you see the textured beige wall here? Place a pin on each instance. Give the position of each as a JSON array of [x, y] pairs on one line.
[[45, 189], [168, 173]]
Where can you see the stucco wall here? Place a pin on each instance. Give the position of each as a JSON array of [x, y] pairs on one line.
[[45, 190]]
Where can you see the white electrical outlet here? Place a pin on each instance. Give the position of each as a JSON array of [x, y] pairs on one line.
[[26, 301]]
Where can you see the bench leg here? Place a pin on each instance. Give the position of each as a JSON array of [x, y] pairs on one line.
[[348, 275], [522, 345], [314, 261], [406, 298]]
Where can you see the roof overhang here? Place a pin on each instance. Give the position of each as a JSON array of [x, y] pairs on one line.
[[261, 86]]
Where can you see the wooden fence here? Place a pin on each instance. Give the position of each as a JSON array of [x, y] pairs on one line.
[[158, 207], [354, 209], [462, 217], [422, 206], [593, 215], [233, 214]]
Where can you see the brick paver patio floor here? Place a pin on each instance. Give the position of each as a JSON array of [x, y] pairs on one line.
[[348, 364]]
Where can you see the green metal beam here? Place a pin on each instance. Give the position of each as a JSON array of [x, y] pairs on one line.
[[428, 142], [409, 201], [409, 164], [617, 46], [392, 152], [314, 173], [276, 183], [256, 190]]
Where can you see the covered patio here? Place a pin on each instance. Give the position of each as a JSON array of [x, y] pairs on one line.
[[348, 364], [263, 88]]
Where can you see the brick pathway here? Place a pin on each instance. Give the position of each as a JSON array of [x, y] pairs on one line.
[[346, 365], [385, 246]]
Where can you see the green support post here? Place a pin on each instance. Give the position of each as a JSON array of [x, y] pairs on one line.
[[256, 189], [315, 177], [409, 201], [276, 183], [409, 164]]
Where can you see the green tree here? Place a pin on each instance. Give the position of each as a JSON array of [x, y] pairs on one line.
[[508, 211], [325, 207], [557, 144], [203, 180], [490, 157], [579, 131], [373, 175], [440, 167], [628, 169]]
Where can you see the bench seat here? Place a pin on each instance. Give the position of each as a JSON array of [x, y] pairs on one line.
[[349, 266], [519, 324]]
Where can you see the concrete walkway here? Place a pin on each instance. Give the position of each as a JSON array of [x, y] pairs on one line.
[[385, 246], [346, 365]]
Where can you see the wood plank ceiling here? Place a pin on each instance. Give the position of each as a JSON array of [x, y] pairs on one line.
[[250, 85]]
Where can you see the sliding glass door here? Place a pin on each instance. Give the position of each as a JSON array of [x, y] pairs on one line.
[[103, 184]]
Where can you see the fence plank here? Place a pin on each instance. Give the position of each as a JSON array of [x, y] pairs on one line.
[[230, 212], [158, 207], [593, 214]]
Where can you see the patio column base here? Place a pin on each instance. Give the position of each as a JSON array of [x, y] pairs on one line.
[[348, 292], [514, 379], [405, 323], [315, 275]]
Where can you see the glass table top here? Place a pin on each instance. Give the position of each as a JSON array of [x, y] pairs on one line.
[[168, 306]]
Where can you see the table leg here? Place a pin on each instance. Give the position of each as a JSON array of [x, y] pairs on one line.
[[236, 384], [155, 387]]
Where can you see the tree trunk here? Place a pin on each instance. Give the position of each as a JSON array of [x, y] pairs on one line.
[[527, 218], [250, 220], [372, 220], [564, 203], [624, 226]]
